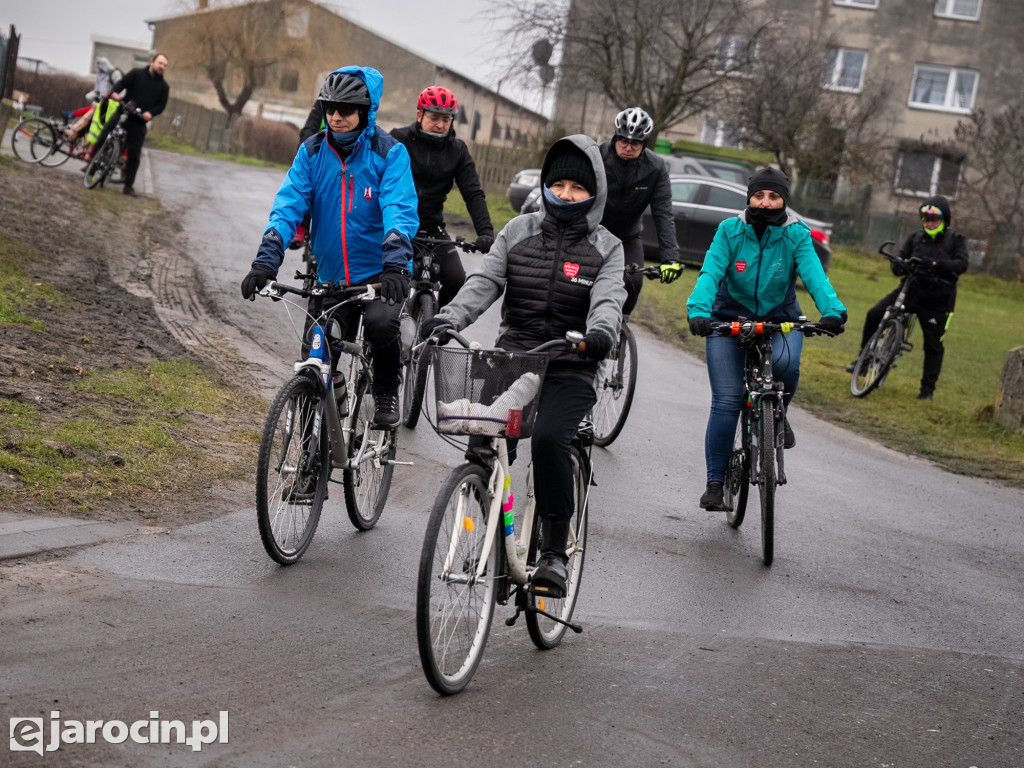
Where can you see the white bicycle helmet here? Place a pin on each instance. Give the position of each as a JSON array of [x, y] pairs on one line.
[[633, 123]]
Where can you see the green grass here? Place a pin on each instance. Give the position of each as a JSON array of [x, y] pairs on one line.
[[171, 144], [499, 208], [19, 291], [956, 429]]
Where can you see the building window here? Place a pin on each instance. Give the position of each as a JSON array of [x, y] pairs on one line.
[[924, 174], [734, 55], [290, 81], [857, 3], [943, 88], [844, 69], [296, 23], [720, 133], [969, 10]]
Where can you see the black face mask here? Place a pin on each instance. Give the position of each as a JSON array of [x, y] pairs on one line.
[[565, 212], [766, 217]]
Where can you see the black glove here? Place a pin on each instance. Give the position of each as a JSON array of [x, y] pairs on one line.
[[255, 280], [700, 326], [394, 285], [597, 345], [832, 324], [484, 243], [435, 326]]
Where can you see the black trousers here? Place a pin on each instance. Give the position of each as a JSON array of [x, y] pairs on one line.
[[634, 252], [451, 273], [566, 396], [381, 327], [933, 321], [136, 136]]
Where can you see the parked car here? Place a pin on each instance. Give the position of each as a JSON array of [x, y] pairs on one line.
[[720, 169], [699, 205], [521, 186]]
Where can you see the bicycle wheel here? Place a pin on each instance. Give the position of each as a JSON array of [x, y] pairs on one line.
[[766, 478], [737, 475], [23, 139], [616, 382], [289, 491], [367, 486], [100, 164], [54, 150], [454, 607], [116, 175], [544, 632], [877, 357], [415, 372]]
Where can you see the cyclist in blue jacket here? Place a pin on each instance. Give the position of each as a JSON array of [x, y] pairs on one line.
[[356, 182]]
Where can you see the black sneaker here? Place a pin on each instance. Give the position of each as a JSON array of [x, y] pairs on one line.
[[130, 192], [714, 497], [386, 413], [788, 438], [850, 368], [926, 394], [551, 576]]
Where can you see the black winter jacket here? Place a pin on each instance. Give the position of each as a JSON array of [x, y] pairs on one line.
[[942, 260], [632, 186], [435, 166], [148, 91]]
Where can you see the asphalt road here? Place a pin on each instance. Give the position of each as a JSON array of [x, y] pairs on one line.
[[889, 631]]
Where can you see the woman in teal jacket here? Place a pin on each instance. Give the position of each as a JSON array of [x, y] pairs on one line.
[[750, 271]]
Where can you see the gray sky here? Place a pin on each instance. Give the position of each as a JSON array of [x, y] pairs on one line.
[[59, 31]]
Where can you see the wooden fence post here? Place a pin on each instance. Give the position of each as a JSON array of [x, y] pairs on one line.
[[1010, 399]]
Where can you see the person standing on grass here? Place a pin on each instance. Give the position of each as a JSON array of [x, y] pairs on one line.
[[146, 87]]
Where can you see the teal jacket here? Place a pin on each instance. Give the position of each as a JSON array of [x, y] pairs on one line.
[[742, 277]]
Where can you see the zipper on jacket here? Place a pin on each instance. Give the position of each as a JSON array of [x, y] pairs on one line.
[[757, 278], [551, 285]]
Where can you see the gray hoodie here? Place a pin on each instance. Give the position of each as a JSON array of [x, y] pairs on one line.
[[608, 292]]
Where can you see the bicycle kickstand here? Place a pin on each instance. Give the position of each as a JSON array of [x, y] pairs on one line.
[[533, 609]]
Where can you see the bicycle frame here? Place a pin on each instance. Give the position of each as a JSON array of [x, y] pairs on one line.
[[760, 384]]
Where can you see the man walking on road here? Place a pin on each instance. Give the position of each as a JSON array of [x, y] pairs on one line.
[[147, 88]]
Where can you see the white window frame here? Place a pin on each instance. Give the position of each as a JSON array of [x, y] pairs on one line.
[[947, 105], [857, 3], [946, 9], [732, 43], [719, 130], [933, 185], [832, 82]]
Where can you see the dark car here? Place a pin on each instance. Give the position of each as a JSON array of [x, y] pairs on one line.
[[701, 166], [522, 183], [699, 205]]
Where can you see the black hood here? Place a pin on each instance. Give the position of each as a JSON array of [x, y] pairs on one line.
[[942, 204]]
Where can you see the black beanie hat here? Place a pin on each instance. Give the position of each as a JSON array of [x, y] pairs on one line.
[[572, 165], [938, 202], [770, 179]]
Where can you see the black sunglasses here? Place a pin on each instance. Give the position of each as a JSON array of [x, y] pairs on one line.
[[345, 110]]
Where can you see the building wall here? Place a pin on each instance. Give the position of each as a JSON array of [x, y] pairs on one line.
[[290, 88], [124, 56]]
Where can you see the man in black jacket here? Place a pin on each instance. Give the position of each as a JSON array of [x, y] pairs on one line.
[[637, 178], [938, 256], [147, 88], [440, 160]]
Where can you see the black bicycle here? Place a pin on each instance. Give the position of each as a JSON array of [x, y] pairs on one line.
[[109, 158], [757, 454], [420, 307], [892, 337], [616, 377]]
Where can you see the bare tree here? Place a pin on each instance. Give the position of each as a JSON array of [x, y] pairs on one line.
[[235, 45], [992, 187], [668, 56], [788, 104]]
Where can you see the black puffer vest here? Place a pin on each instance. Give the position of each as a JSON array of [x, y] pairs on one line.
[[547, 291]]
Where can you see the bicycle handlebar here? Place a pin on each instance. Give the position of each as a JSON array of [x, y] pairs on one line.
[[912, 265], [459, 242], [751, 328], [276, 290], [651, 273], [573, 339]]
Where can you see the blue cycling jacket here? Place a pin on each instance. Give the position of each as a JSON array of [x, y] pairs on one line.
[[362, 210]]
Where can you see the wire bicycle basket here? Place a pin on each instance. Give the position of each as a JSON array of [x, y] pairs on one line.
[[487, 392]]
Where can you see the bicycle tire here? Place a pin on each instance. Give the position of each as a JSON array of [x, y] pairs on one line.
[[454, 610], [737, 474], [766, 478], [414, 379], [616, 383], [877, 357], [53, 150], [99, 166], [367, 486], [23, 137], [288, 501], [544, 632]]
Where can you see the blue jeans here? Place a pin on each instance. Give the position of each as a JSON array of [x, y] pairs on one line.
[[725, 370]]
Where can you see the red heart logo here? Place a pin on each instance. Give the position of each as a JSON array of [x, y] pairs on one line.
[[740, 266], [570, 269]]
